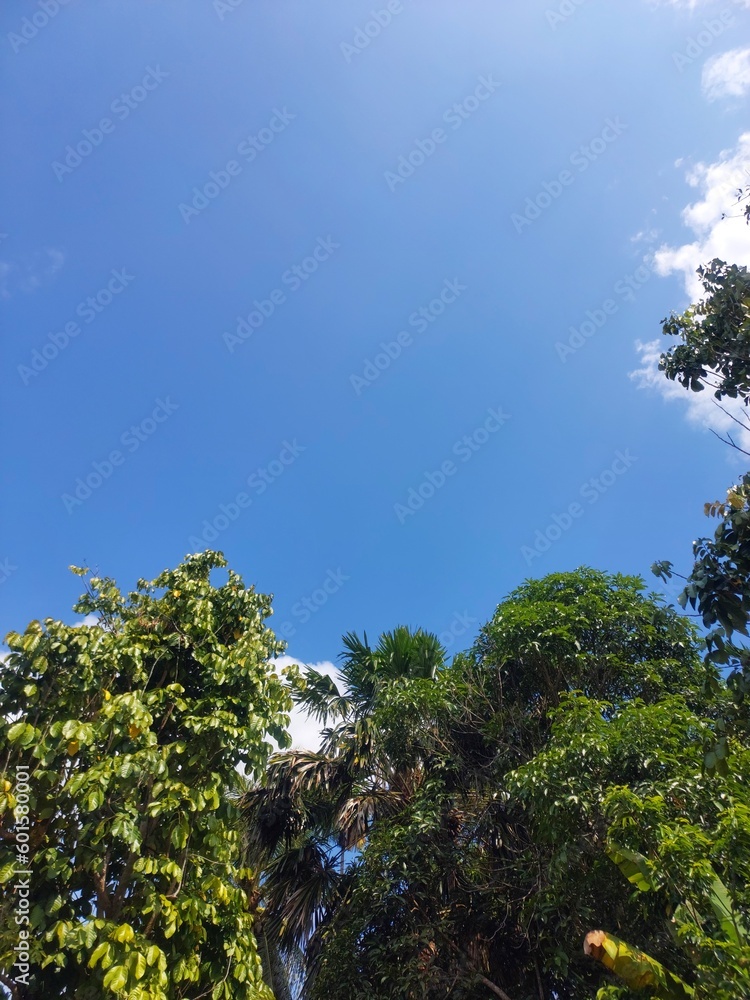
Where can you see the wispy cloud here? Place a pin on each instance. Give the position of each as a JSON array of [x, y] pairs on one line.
[[727, 74], [29, 273]]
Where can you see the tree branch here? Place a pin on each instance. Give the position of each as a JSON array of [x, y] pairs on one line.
[[491, 986], [728, 440]]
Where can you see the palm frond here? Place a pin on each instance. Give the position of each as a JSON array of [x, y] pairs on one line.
[[404, 654], [270, 817], [321, 697], [297, 772], [358, 813], [283, 971], [299, 886]]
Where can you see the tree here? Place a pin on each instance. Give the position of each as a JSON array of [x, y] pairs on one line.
[[585, 631], [456, 891], [718, 588], [131, 731], [305, 821], [716, 352], [628, 790]]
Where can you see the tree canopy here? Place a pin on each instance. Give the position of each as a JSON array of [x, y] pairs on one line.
[[130, 728], [498, 791]]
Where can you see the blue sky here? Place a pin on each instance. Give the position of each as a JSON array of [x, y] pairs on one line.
[[463, 184]]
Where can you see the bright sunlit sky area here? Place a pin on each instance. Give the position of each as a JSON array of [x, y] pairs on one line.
[[364, 295]]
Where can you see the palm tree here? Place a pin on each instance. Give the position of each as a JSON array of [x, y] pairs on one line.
[[303, 824]]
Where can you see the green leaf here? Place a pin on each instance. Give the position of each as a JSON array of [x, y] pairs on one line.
[[116, 979], [94, 799], [152, 954], [22, 733], [137, 963], [633, 866], [7, 872], [726, 914], [99, 953]]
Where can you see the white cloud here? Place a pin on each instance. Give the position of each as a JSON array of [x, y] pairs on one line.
[[727, 239], [90, 619], [701, 407], [727, 75], [305, 731], [646, 236]]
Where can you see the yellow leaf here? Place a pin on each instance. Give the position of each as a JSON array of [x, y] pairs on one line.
[[73, 748], [133, 730], [107, 695], [634, 967]]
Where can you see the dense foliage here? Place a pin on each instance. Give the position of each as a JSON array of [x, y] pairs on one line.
[[716, 352], [131, 729], [491, 795], [630, 788], [314, 808]]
